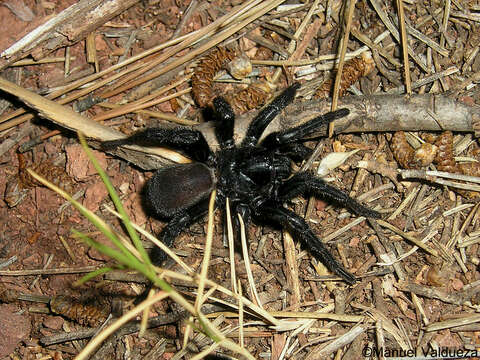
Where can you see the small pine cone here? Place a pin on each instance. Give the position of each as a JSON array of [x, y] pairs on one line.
[[250, 98], [402, 151], [470, 168], [84, 314], [444, 158], [353, 70], [53, 173], [445, 161], [17, 185], [205, 71]]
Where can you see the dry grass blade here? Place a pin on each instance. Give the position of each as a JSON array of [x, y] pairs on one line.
[[343, 51], [409, 252], [393, 30], [343, 340], [342, 230], [26, 62], [408, 237], [193, 277], [69, 119], [470, 319], [155, 114], [85, 80], [240, 315], [197, 338], [92, 345], [388, 326], [79, 270], [146, 311], [213, 28], [291, 271], [403, 33], [231, 247], [443, 174], [437, 178], [446, 15], [144, 102], [157, 242], [254, 308], [208, 350], [246, 259], [293, 42], [411, 195], [322, 314], [373, 45], [207, 254]]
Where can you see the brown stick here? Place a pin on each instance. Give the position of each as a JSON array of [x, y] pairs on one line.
[[375, 113], [367, 114]]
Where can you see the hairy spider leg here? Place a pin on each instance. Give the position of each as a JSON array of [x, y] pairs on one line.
[[295, 151], [192, 142], [267, 114], [298, 133], [304, 183], [175, 226], [300, 230], [224, 122]]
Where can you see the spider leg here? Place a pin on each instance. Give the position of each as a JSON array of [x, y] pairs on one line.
[[295, 151], [304, 182], [225, 118], [192, 142], [300, 132], [300, 230], [175, 226], [267, 114]]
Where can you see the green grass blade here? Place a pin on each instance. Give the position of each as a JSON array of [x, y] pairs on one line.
[[93, 274], [130, 261], [118, 204], [92, 217]]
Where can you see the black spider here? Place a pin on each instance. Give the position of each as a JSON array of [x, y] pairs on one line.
[[255, 177]]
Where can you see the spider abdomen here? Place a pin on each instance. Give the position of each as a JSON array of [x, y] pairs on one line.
[[176, 188]]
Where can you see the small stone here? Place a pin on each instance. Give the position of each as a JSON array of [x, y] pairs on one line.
[[53, 322], [94, 195], [14, 328]]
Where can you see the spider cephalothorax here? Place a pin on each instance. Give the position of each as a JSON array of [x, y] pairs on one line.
[[255, 177]]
